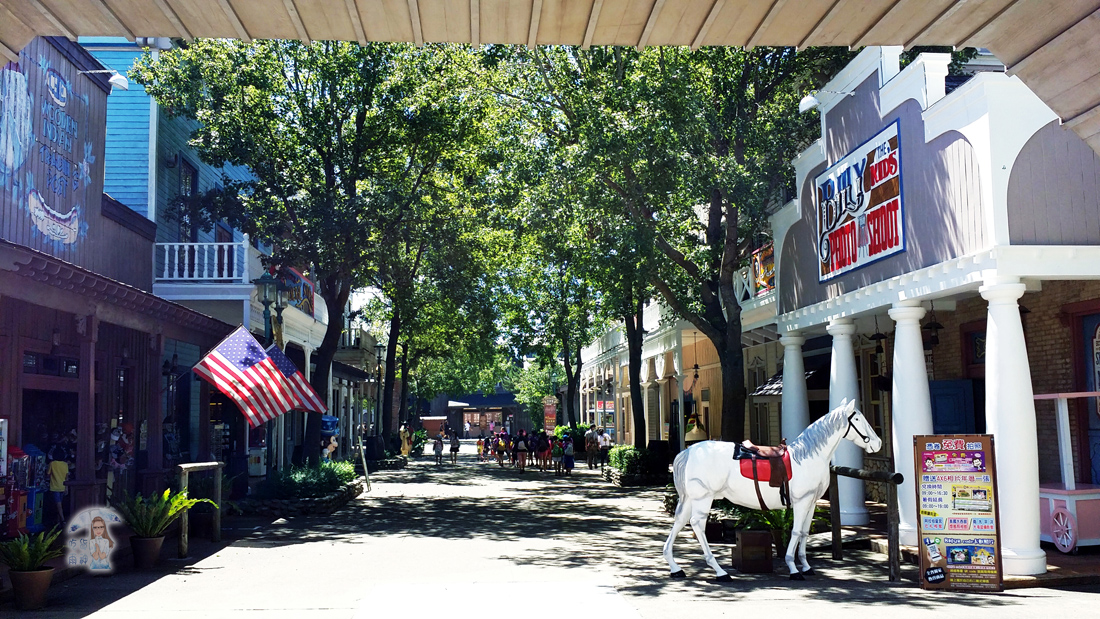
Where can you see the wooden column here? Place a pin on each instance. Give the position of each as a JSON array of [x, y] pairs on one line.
[[85, 487], [150, 479]]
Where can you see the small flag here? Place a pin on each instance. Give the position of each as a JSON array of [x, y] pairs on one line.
[[240, 369], [303, 391]]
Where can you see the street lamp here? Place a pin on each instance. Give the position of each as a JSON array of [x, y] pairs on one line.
[[270, 292]]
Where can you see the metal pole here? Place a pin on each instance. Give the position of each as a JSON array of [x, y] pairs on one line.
[[892, 518], [834, 515]]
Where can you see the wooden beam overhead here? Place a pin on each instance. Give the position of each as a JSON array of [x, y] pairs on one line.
[[860, 40], [1082, 118], [414, 18], [114, 19], [7, 52], [762, 27], [593, 17], [826, 19], [170, 14], [1066, 35], [965, 41], [533, 30], [654, 13], [475, 23], [296, 19], [356, 21], [944, 15], [231, 15], [700, 36], [53, 19]]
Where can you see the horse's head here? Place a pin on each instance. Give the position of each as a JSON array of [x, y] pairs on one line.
[[859, 430]]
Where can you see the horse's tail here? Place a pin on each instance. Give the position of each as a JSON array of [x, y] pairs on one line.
[[679, 466]]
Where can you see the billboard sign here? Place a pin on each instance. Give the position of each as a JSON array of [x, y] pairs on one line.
[[859, 206], [958, 523]]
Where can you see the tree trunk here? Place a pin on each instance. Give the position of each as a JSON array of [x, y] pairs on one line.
[[335, 293], [572, 382], [634, 375], [733, 391], [403, 411], [391, 375]]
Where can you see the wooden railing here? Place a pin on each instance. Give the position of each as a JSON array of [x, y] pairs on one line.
[[202, 262]]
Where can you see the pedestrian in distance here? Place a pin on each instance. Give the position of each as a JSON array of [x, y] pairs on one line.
[[556, 453], [567, 461], [466, 429], [605, 446], [455, 445], [438, 448], [501, 446], [480, 450], [521, 450], [591, 447]]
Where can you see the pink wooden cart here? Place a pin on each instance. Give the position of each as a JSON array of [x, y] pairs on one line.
[[1069, 512]]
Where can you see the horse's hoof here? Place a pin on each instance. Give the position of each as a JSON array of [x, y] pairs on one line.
[[678, 574], [724, 578], [809, 572], [797, 576]]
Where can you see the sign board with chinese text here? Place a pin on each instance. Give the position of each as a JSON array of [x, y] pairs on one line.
[[958, 520], [859, 206], [763, 268], [549, 413]]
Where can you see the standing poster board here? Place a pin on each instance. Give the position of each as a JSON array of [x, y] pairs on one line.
[[959, 526], [549, 413]]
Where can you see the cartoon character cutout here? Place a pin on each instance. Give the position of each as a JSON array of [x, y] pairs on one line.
[[90, 541]]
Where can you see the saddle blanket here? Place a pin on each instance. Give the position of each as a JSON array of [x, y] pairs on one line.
[[763, 468]]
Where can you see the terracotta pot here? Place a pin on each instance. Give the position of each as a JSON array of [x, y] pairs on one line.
[[146, 551], [29, 588]]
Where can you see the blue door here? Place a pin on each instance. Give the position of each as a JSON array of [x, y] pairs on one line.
[[952, 406]]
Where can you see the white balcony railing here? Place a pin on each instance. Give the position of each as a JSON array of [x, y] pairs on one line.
[[201, 262]]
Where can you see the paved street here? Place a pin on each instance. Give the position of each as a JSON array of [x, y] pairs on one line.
[[475, 540]]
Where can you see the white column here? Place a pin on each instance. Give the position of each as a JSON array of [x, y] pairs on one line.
[[911, 408], [648, 418], [662, 407], [680, 378], [796, 404], [1010, 418], [844, 385]]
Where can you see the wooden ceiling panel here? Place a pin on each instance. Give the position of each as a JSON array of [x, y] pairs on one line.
[[205, 18], [679, 22], [445, 20], [142, 17], [792, 22], [1028, 24], [326, 19], [856, 20], [23, 16], [386, 20], [85, 18], [968, 18], [735, 22], [1078, 99], [903, 21], [563, 21], [621, 22], [262, 20], [505, 21]]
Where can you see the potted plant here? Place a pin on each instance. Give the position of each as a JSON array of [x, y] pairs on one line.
[[24, 556], [149, 518]]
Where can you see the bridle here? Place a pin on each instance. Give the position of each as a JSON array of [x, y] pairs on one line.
[[852, 426]]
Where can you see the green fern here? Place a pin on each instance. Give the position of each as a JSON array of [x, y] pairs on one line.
[[151, 517], [26, 554]]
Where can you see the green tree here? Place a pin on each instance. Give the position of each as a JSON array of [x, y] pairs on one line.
[[344, 141]]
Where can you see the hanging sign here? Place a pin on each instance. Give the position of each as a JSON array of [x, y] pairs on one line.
[[859, 206], [549, 413], [958, 524]]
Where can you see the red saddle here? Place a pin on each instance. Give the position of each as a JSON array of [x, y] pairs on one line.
[[764, 468]]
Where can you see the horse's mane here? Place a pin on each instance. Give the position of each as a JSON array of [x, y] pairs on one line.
[[815, 438]]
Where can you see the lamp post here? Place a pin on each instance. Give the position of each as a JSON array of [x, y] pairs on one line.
[[270, 291]]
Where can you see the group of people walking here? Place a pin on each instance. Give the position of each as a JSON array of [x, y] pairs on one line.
[[542, 450]]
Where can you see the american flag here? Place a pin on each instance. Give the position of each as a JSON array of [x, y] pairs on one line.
[[241, 369], [302, 390]]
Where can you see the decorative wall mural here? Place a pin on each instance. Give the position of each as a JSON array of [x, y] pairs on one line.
[[16, 104]]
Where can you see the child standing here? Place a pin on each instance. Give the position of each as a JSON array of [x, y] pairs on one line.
[[480, 450], [59, 470], [455, 445], [556, 454], [567, 455], [438, 448]]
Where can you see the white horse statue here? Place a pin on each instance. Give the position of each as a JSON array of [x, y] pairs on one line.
[[707, 470]]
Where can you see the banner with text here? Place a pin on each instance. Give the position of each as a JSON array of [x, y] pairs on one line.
[[958, 522], [859, 206]]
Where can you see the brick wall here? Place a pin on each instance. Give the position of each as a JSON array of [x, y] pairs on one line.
[[1050, 354]]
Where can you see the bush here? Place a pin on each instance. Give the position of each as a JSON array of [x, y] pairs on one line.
[[308, 482], [419, 439], [633, 461], [577, 435]]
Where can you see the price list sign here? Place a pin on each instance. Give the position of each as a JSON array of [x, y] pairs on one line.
[[958, 520]]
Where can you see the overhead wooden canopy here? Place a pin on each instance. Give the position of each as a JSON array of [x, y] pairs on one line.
[[1052, 45]]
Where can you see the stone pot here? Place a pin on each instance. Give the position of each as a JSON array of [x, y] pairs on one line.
[[29, 588], [146, 551]]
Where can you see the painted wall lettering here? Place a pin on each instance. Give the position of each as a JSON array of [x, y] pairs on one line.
[[860, 207]]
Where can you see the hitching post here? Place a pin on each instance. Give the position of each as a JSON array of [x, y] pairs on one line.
[[185, 471], [891, 480]]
